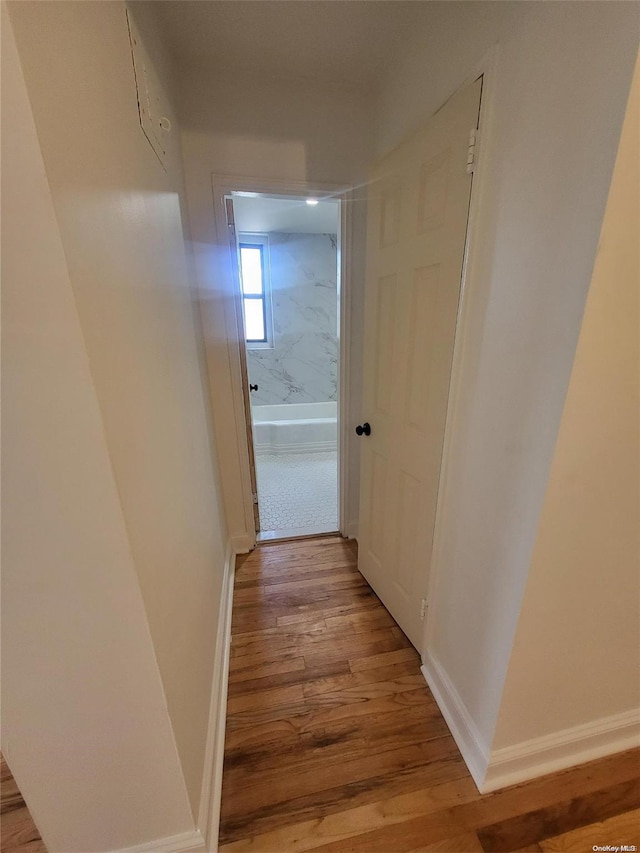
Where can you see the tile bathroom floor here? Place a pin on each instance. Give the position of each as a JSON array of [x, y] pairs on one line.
[[297, 493]]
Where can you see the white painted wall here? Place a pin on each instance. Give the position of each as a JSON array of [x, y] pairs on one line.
[[85, 727], [121, 227], [266, 129], [561, 83], [576, 656]]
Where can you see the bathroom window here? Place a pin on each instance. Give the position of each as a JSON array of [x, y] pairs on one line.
[[256, 296]]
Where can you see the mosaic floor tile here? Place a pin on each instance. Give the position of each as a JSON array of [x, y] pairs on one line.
[[298, 490]]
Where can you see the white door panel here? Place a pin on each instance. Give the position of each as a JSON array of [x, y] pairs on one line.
[[418, 207]]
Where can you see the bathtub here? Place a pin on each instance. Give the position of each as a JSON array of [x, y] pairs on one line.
[[295, 427]]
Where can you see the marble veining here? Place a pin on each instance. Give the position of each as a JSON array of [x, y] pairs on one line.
[[302, 366]]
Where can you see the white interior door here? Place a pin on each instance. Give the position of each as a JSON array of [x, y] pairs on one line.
[[418, 210]]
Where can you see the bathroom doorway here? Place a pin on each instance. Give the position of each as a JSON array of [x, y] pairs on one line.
[[288, 269]]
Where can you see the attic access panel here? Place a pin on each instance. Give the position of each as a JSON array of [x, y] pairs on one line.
[[153, 107]]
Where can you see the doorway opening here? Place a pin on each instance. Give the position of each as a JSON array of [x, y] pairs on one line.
[[288, 252]]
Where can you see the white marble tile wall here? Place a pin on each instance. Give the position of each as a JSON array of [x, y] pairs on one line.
[[302, 365]]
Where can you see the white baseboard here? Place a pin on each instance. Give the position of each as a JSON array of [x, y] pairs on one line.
[[351, 530], [465, 733], [499, 768], [185, 842], [205, 838], [209, 812], [550, 753], [297, 447], [243, 543]]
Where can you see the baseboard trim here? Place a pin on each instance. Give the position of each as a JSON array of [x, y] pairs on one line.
[[465, 733], [210, 797], [351, 530], [205, 838], [185, 842], [242, 543], [550, 753]]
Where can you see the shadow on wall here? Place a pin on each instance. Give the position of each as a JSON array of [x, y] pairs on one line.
[[295, 130]]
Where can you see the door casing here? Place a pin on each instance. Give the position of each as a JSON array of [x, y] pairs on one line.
[[224, 186], [242, 351]]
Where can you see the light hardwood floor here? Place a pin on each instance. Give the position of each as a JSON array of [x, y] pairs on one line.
[[334, 742], [18, 832]]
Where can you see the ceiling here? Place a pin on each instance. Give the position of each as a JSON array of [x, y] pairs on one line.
[[343, 41], [291, 216]]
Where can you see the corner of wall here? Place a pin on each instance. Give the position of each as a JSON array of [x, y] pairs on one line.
[[474, 750], [210, 799], [571, 691], [550, 753]]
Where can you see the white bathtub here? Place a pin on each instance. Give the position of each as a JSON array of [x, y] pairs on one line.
[[295, 427]]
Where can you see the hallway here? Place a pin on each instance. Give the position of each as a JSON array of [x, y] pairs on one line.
[[127, 477], [335, 743]]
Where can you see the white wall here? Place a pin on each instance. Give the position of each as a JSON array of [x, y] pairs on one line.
[[85, 727], [268, 129], [584, 664], [120, 222], [560, 87]]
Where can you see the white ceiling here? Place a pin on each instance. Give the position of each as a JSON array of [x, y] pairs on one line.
[[291, 216], [343, 41]]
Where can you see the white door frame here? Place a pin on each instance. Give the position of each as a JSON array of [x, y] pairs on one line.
[[487, 67], [225, 185]]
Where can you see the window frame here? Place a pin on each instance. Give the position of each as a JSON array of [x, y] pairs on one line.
[[251, 240]]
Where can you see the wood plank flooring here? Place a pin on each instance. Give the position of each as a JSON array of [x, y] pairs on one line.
[[334, 742], [18, 832]]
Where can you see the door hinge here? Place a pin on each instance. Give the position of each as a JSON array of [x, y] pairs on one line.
[[423, 607], [254, 496], [471, 151]]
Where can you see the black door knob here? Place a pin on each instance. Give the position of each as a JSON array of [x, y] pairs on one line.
[[365, 429], [253, 387]]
